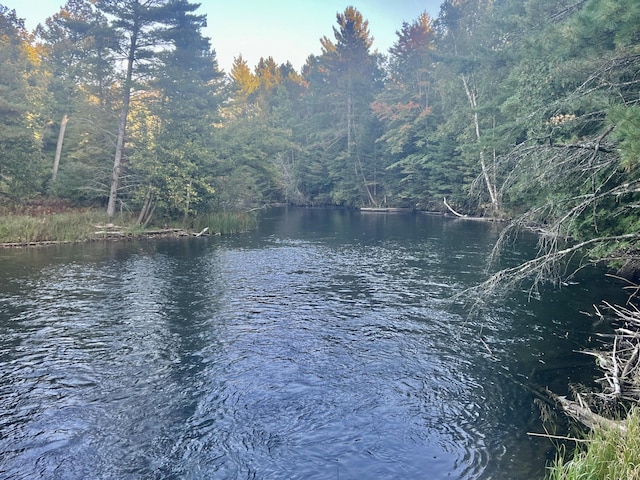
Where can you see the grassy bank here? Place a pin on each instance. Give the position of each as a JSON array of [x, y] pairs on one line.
[[69, 226], [608, 454], [85, 225]]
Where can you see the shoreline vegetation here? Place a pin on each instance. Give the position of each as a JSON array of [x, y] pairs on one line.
[[610, 411], [41, 228], [519, 111], [604, 453]]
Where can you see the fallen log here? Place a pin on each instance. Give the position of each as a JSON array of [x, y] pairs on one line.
[[110, 233], [42, 243], [586, 417], [467, 217], [164, 231], [386, 210], [446, 204]]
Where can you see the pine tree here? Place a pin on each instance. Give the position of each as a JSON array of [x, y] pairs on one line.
[[20, 157], [343, 83]]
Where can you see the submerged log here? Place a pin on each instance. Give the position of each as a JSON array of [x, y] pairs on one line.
[[165, 231], [584, 415], [386, 210]]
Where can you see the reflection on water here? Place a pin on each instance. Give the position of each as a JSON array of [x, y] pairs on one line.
[[321, 347]]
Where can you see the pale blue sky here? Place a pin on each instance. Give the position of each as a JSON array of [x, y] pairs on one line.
[[287, 30]]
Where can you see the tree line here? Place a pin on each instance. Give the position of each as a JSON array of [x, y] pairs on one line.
[[523, 109]]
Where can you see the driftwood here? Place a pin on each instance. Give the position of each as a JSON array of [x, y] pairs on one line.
[[558, 437], [467, 217], [446, 204], [165, 231], [109, 230], [580, 412], [34, 244], [620, 363]]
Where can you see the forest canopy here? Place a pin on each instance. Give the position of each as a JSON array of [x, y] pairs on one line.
[[511, 109]]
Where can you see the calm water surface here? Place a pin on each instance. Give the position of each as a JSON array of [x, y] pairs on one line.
[[323, 346]]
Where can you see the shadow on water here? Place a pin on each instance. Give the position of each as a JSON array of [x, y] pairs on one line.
[[322, 346]]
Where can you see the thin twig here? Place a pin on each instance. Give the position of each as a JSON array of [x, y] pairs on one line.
[[557, 437]]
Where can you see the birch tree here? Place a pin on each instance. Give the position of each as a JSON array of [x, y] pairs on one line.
[[473, 45]]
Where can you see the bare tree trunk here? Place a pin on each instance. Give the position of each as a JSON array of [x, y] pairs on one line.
[[145, 207], [186, 209], [364, 180], [117, 163], [122, 129], [149, 215], [56, 160], [491, 187], [349, 123]]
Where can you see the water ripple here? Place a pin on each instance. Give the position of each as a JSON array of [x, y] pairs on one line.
[[292, 358]]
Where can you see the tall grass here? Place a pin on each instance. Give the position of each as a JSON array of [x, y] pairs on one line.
[[81, 225], [71, 226], [609, 454]]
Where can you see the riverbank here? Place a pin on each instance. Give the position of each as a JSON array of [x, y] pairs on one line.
[[606, 453], [611, 413], [47, 226]]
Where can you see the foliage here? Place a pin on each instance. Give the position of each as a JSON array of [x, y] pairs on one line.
[[607, 454], [171, 127], [626, 119], [21, 165], [75, 46], [421, 168], [341, 132], [522, 109]]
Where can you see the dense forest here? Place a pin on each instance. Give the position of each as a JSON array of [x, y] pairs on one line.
[[520, 109]]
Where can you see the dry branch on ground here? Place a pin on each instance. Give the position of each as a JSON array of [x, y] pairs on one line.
[[620, 364]]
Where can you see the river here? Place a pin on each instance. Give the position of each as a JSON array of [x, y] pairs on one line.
[[322, 346]]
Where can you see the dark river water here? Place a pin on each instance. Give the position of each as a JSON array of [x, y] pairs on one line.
[[323, 346]]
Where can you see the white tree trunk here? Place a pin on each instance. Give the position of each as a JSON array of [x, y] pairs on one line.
[[56, 160], [122, 129], [491, 187]]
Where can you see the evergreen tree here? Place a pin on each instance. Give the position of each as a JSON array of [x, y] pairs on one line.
[[73, 46], [173, 155], [474, 46], [405, 107], [343, 83], [138, 24], [243, 85], [21, 166]]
